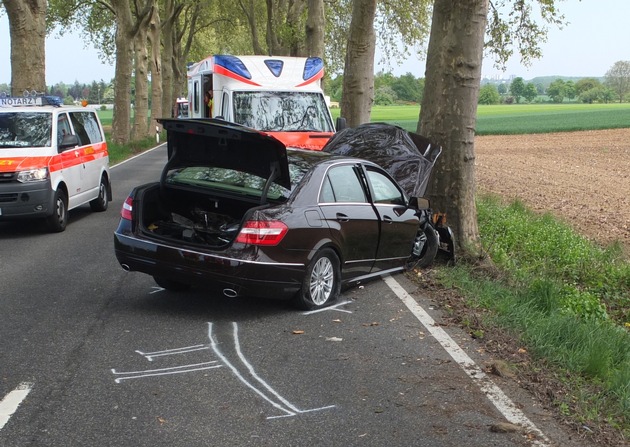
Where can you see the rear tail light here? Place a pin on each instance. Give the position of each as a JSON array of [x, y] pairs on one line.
[[127, 207], [261, 232]]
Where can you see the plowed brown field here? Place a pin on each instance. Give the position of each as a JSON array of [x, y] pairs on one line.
[[581, 177]]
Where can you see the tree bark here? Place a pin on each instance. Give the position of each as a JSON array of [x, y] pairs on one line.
[[315, 26], [156, 72], [358, 75], [168, 95], [121, 122], [27, 28], [140, 129], [448, 113]]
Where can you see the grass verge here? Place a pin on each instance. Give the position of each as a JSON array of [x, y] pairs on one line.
[[120, 152], [565, 299]]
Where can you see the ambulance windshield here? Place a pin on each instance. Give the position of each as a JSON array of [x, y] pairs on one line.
[[273, 111], [25, 129]]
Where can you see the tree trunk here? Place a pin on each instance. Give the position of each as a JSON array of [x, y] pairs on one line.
[[168, 30], [140, 128], [156, 72], [250, 12], [448, 113], [315, 25], [358, 75], [121, 122], [27, 28]]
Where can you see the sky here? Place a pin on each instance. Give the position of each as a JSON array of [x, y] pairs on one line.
[[597, 36]]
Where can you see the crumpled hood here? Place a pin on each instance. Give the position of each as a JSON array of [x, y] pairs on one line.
[[217, 143], [406, 156]]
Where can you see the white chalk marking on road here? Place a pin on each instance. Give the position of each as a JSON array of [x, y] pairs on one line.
[[151, 355], [164, 371], [12, 401], [290, 410], [335, 308], [492, 391]]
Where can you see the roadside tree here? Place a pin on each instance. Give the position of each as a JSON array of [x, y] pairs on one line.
[[453, 75], [488, 94], [517, 89], [27, 30], [618, 79]]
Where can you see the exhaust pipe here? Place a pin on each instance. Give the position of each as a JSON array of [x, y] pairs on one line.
[[230, 293], [125, 267]]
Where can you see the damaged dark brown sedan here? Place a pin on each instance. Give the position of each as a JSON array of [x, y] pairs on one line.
[[235, 210]]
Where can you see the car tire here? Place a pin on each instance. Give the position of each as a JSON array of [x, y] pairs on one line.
[[425, 248], [58, 220], [100, 203], [322, 282], [171, 285]]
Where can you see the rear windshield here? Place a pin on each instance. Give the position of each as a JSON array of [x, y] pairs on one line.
[[25, 129], [235, 181]]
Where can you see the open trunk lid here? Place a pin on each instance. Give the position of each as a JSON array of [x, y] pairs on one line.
[[217, 143]]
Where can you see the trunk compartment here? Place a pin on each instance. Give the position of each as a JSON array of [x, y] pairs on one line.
[[193, 217]]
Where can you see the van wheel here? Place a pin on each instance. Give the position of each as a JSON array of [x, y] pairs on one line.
[[58, 220], [169, 284], [321, 285], [100, 203]]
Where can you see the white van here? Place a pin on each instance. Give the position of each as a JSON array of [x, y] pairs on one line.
[[52, 159]]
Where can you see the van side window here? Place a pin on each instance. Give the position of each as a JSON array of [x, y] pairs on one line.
[[63, 127], [86, 127]]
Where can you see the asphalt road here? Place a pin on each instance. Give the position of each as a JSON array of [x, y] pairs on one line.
[[93, 356]]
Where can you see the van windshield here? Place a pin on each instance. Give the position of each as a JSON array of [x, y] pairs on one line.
[[25, 129], [273, 111]]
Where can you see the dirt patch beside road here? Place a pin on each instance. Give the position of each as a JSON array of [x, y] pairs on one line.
[[581, 177]]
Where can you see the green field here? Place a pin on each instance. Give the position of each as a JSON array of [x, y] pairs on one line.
[[505, 119], [521, 118]]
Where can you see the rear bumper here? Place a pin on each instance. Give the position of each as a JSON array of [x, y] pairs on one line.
[[247, 277]]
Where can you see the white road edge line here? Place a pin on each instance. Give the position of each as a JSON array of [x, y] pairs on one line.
[[503, 403], [12, 401]]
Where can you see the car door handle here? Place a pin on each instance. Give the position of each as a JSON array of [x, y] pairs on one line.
[[342, 217], [387, 220]]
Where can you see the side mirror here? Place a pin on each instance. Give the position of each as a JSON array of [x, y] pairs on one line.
[[340, 124], [419, 203], [69, 141]]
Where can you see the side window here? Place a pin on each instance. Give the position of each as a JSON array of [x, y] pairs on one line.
[[385, 191], [86, 127], [342, 185], [63, 127]]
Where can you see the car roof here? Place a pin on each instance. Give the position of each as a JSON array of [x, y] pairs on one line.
[[218, 143]]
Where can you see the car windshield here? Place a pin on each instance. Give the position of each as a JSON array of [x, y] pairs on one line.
[[282, 111], [242, 183], [25, 129]]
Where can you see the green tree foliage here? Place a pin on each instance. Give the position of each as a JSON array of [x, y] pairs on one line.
[[569, 90], [408, 88], [585, 84], [557, 90], [530, 93], [384, 96], [489, 94], [618, 79], [517, 89], [502, 88]]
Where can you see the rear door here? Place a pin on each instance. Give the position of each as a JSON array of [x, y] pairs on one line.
[[350, 216], [398, 224]]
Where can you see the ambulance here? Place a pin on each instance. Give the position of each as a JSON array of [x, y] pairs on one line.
[[281, 96], [53, 158]]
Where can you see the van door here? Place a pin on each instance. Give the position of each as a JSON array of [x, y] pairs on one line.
[[92, 151], [71, 163]]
